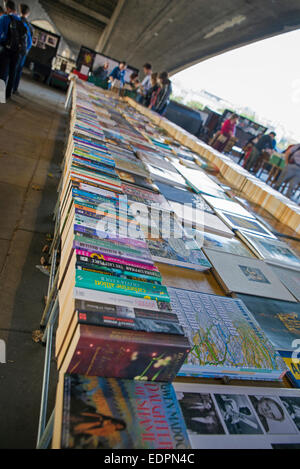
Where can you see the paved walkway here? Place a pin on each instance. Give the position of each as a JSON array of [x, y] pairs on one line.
[[32, 131]]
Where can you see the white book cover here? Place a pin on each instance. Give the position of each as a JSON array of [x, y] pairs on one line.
[[201, 220], [248, 276], [250, 225], [274, 252], [227, 206]]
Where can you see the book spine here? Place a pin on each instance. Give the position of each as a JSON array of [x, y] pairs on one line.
[[121, 273], [117, 270], [93, 198], [91, 253], [93, 189], [100, 214], [114, 252], [120, 267], [134, 244], [108, 319], [113, 284], [116, 299]]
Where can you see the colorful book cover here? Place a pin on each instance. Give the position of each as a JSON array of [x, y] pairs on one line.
[[181, 252], [117, 260], [101, 413], [93, 261], [96, 281], [112, 237], [293, 364], [135, 179], [143, 196], [128, 354], [280, 320], [225, 338], [113, 251], [120, 273]]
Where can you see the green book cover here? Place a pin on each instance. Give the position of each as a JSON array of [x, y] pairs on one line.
[[108, 283]]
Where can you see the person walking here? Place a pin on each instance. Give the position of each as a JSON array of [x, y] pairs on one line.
[[291, 172], [24, 14], [266, 143], [13, 43]]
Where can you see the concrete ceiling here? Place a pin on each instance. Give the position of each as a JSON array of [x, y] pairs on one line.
[[171, 34]]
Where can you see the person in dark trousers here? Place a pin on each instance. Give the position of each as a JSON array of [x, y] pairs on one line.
[[13, 42], [163, 97], [291, 172], [265, 143], [24, 13]]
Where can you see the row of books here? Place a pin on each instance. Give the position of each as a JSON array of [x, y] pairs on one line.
[[121, 332]]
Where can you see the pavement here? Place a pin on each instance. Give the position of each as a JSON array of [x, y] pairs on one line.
[[32, 137]]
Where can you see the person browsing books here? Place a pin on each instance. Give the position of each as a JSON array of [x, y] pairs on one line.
[[266, 143], [118, 74], [291, 172], [226, 133]]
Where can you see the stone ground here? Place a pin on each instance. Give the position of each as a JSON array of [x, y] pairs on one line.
[[32, 135]]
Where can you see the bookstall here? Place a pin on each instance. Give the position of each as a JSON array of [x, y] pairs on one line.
[[164, 295]]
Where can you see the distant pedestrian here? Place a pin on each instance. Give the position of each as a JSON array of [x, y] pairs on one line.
[[153, 91], [226, 133], [145, 85], [118, 74], [165, 90], [291, 172], [2, 12], [101, 72], [266, 143], [13, 43], [24, 14]]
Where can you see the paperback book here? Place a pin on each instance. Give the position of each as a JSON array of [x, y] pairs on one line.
[[100, 413]]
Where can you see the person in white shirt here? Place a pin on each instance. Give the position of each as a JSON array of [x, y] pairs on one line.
[[145, 85]]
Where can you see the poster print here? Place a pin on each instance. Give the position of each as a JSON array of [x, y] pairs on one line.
[[237, 414], [200, 414], [271, 412]]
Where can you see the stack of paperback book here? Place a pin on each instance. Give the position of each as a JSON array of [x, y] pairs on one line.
[[123, 336], [113, 306]]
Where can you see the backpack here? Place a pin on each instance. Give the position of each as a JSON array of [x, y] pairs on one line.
[[17, 36]]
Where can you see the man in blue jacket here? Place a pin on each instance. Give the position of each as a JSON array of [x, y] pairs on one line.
[[24, 13], [118, 73], [13, 42]]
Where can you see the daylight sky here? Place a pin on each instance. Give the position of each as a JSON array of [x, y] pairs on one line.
[[264, 76]]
